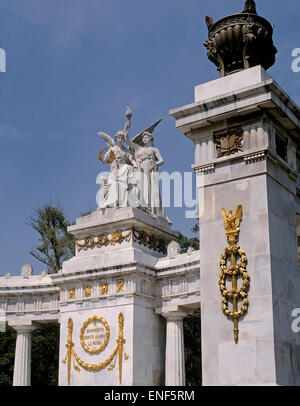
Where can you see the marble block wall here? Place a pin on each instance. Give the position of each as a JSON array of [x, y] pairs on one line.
[[268, 351], [144, 332], [246, 132], [218, 346], [285, 281]]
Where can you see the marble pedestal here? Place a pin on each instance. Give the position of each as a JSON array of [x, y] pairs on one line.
[[112, 276], [115, 301]]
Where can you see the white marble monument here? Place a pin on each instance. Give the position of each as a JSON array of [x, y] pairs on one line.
[[122, 298]]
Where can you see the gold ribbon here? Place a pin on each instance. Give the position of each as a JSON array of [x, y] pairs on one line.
[[117, 353]]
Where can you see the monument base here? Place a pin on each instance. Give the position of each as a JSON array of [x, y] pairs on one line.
[[110, 333]]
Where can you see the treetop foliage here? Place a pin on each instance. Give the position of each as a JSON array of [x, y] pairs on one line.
[[57, 245]]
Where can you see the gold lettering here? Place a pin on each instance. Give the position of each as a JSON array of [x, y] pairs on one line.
[[94, 330], [89, 337], [96, 343]]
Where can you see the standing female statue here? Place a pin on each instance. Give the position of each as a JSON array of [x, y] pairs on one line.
[[147, 160]]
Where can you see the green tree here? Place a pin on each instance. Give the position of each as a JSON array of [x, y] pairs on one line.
[[185, 243], [57, 245], [7, 355], [192, 348], [44, 358], [45, 355]]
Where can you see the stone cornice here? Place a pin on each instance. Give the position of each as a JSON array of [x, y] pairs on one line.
[[267, 95], [28, 290]]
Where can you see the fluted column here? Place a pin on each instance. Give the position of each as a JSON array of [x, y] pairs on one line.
[[175, 366], [22, 366]]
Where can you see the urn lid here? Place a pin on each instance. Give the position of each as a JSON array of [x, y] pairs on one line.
[[240, 41]]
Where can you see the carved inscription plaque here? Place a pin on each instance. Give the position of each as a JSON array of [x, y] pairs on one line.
[[94, 335]]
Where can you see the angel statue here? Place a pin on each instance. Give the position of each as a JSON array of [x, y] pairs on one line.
[[120, 188], [147, 160], [117, 153]]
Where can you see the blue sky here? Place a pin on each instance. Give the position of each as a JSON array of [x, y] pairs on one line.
[[72, 68]]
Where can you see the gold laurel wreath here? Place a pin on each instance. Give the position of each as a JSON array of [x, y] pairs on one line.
[[236, 270], [107, 335], [111, 158]]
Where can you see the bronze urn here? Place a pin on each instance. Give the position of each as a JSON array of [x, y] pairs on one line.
[[240, 41]]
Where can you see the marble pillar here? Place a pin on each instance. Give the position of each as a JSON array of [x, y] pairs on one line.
[[260, 174], [175, 366], [22, 366]]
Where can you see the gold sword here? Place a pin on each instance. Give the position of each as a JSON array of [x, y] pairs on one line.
[[121, 343], [69, 347]]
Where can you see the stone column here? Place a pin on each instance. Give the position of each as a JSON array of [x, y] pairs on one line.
[[22, 366], [175, 366]]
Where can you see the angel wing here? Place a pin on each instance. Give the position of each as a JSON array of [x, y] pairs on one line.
[[224, 215], [238, 214], [138, 138], [108, 139]]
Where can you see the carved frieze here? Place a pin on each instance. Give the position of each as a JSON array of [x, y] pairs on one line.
[[118, 237], [104, 240], [229, 142]]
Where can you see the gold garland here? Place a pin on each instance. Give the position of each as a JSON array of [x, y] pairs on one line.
[[149, 241], [117, 353], [117, 237], [231, 223], [104, 239]]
